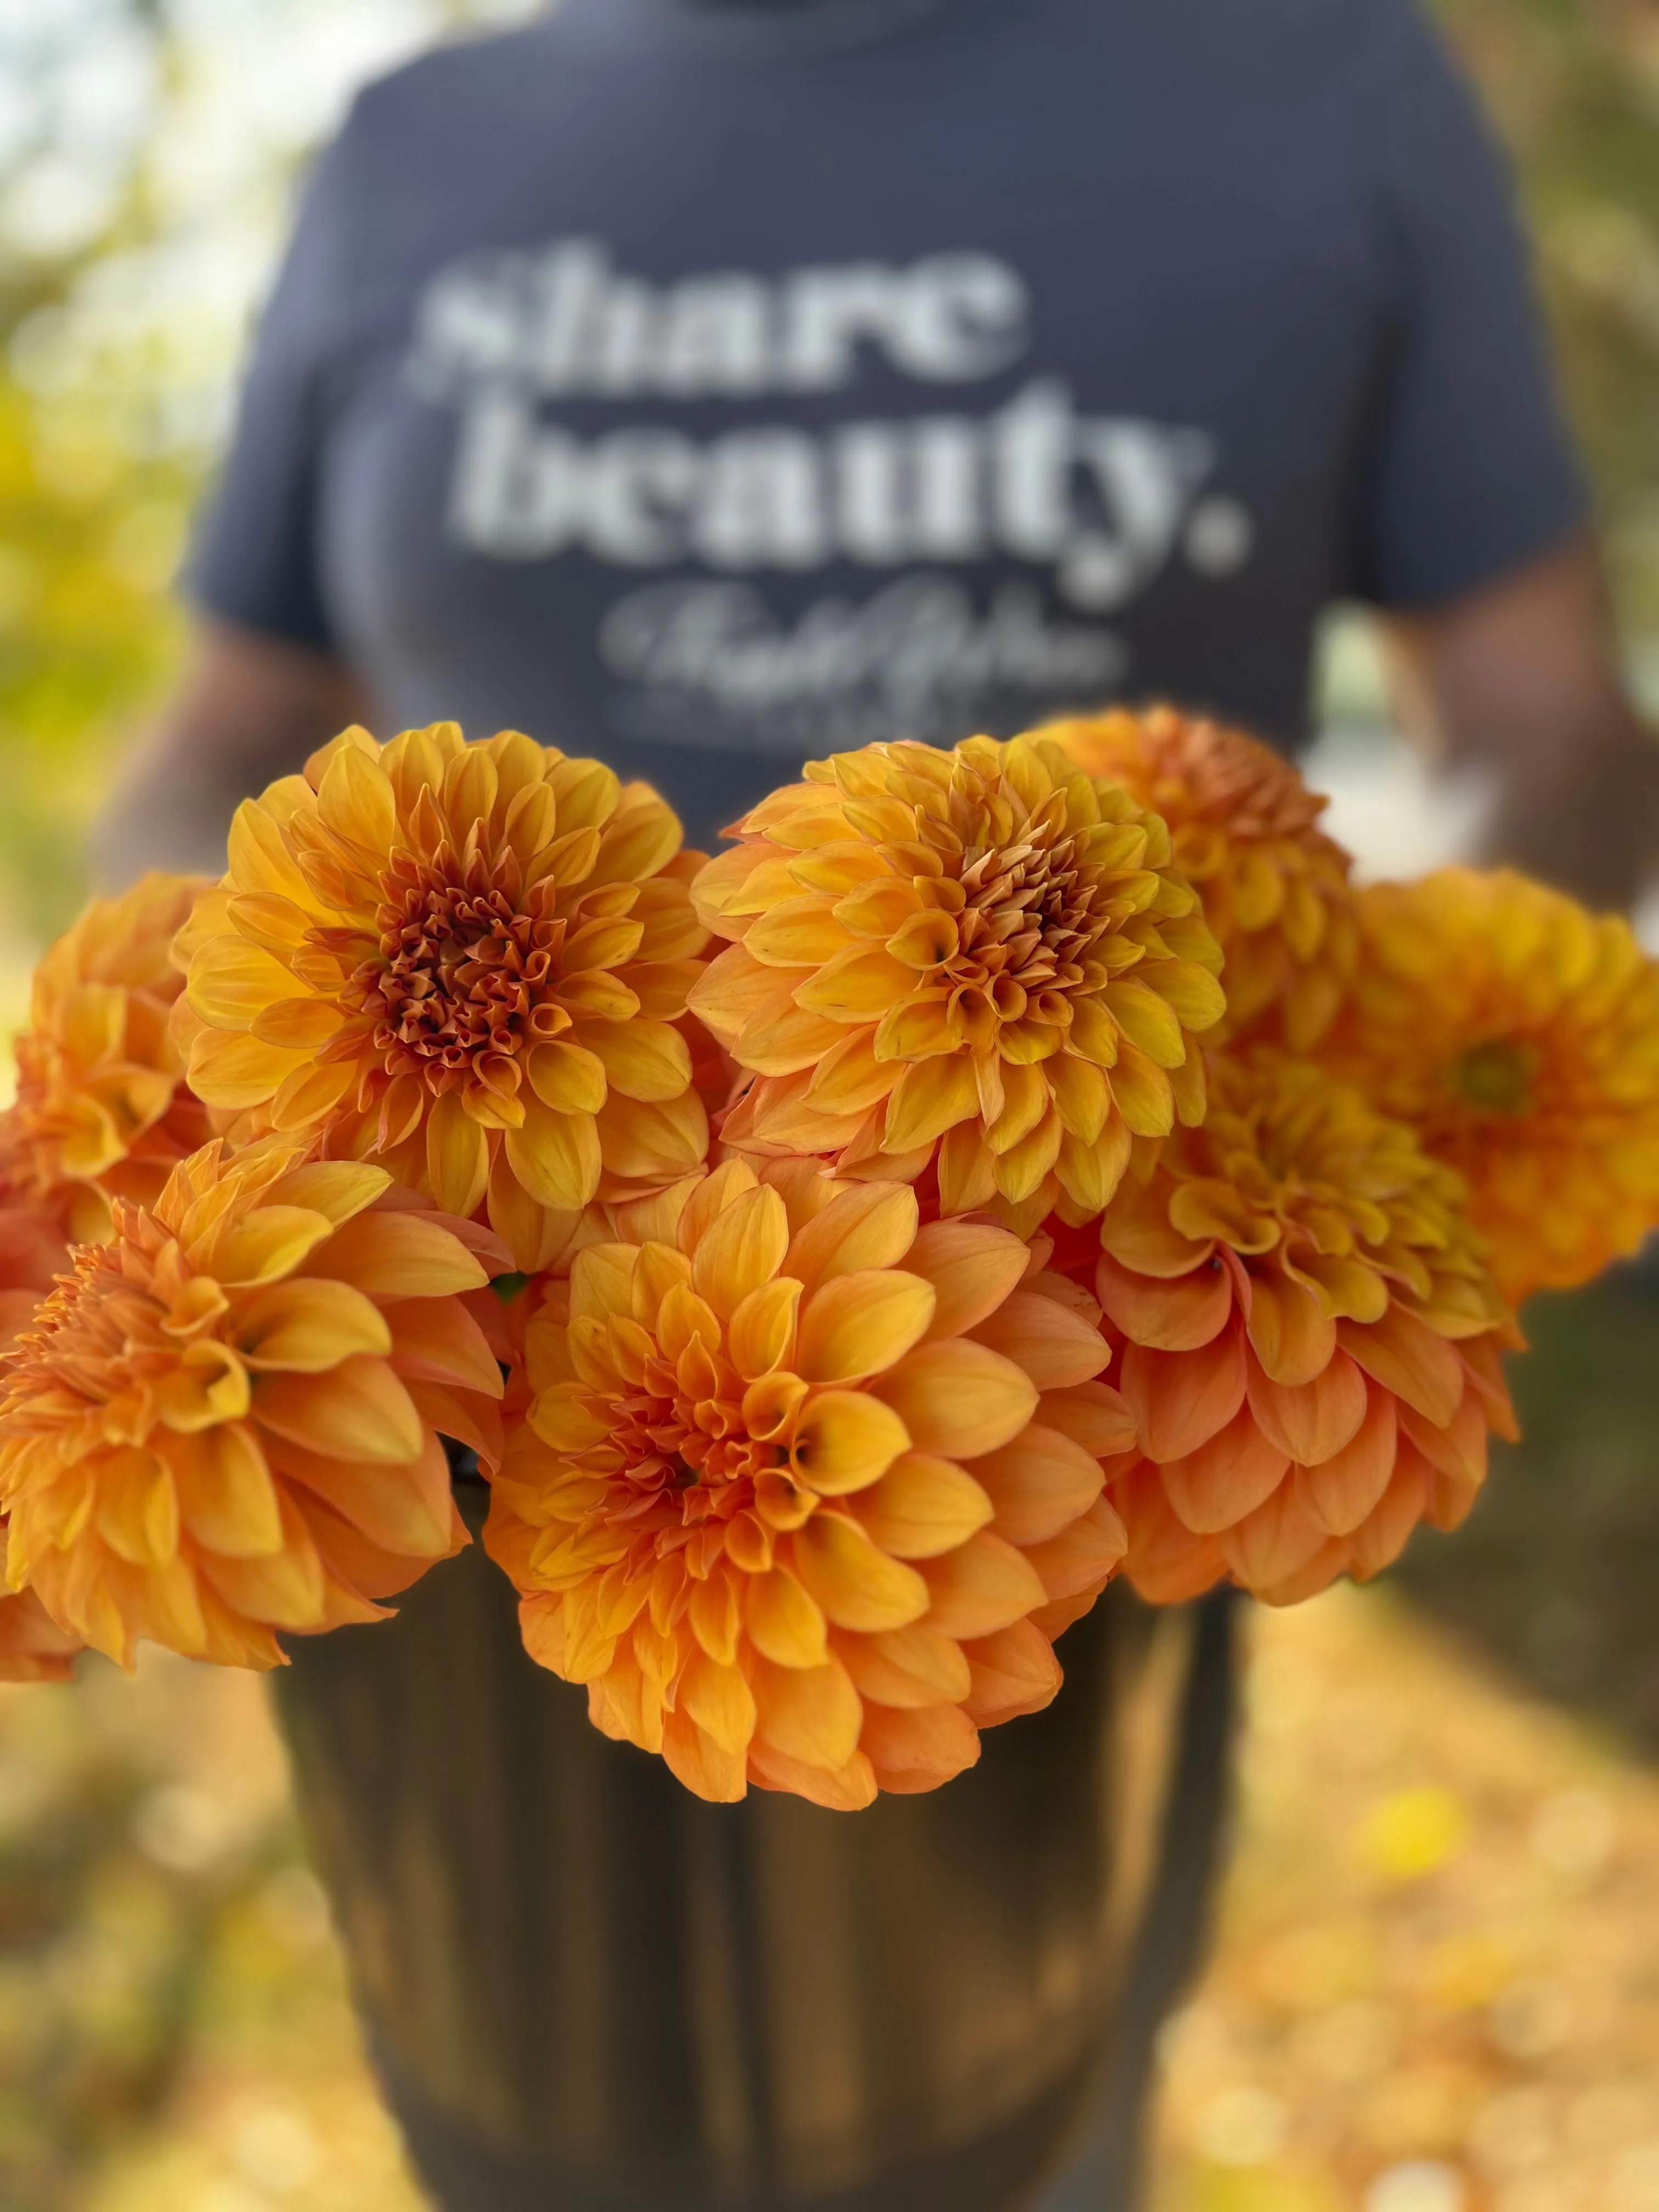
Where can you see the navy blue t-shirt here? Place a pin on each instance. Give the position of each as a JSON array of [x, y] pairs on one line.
[[707, 387]]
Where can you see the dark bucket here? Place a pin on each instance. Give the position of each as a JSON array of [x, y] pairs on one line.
[[585, 1988]]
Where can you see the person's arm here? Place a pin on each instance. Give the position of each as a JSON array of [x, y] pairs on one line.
[[249, 709], [1522, 679]]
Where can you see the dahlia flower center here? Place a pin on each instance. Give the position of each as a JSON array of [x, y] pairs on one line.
[[461, 973], [669, 1440], [1025, 921], [1496, 1076]]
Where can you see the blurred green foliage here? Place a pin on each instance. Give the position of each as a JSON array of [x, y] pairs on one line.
[[100, 465]]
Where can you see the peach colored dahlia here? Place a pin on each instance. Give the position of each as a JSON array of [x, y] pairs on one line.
[[225, 1421], [99, 1111], [1245, 832], [981, 959], [463, 961], [807, 1489], [1519, 1036], [1307, 1339]]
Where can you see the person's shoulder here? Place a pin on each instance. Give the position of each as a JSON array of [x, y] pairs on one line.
[[459, 82], [1301, 48]]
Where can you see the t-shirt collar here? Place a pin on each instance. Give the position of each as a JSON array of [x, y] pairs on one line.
[[694, 26]]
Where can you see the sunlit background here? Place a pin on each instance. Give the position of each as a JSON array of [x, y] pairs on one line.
[[1437, 1983]]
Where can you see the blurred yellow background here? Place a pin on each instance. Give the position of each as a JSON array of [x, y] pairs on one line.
[[1437, 1988]]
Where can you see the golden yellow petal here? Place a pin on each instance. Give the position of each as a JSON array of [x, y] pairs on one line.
[[844, 1441], [785, 1625], [307, 1325], [856, 1583], [958, 1398], [358, 1410], [923, 1506], [860, 1324]]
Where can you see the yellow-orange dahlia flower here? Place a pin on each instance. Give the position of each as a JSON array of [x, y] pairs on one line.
[[806, 1489], [981, 958], [226, 1421], [33, 1647], [1519, 1036], [100, 1112], [463, 961], [1245, 831], [1308, 1340]]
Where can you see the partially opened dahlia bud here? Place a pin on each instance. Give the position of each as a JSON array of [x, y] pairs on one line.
[[807, 1490], [100, 1111], [1519, 1036], [982, 959], [227, 1422], [463, 961], [1308, 1342], [1245, 832]]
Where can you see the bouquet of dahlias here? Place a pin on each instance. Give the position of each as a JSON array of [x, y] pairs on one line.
[[1000, 1171]]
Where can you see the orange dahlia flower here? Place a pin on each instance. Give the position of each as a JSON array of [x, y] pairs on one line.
[[1245, 831], [982, 958], [99, 1111], [225, 1422], [806, 1489], [1308, 1342], [1519, 1036], [463, 961]]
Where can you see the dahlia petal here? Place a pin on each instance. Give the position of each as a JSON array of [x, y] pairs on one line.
[[1179, 1400], [785, 1625], [848, 1790], [1038, 1484], [930, 1096], [355, 800], [1093, 1415], [457, 1157], [137, 1512], [1142, 1093], [438, 1340], [760, 1334], [1082, 1098], [802, 932], [1293, 1340], [844, 1441], [337, 1189], [863, 1226], [861, 1324], [1026, 1098], [1173, 1313], [702, 1765], [812, 1714], [907, 1666], [286, 1589], [858, 985], [972, 1266], [210, 1383], [642, 1060], [1082, 1557], [1456, 1449], [1057, 1348], [557, 1156], [967, 1170], [1010, 1673], [398, 1255], [233, 1071], [713, 1613], [1383, 1534], [567, 1077], [361, 1410], [230, 982], [959, 1398], [1192, 994], [269, 1244], [1147, 1022], [642, 1142], [1226, 1476], [1309, 1421], [297, 1025], [1137, 1232], [1274, 1542], [919, 1750], [983, 1585], [404, 1512], [741, 1250], [846, 1077], [923, 1506], [227, 1494], [1406, 1356], [309, 1324], [1340, 1491], [855, 1583], [642, 838], [1165, 1562], [1091, 1175]]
